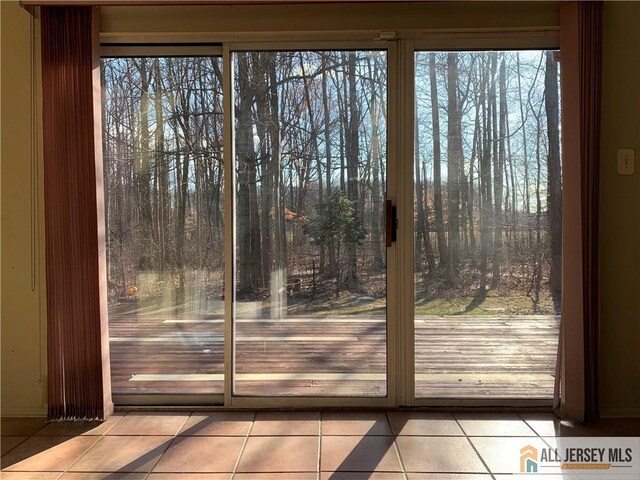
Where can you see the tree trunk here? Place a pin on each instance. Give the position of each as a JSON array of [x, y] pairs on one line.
[[525, 160], [485, 181], [475, 152], [163, 170], [376, 200], [278, 275], [144, 170], [352, 151], [443, 256], [454, 162], [420, 199], [498, 163], [554, 180], [327, 146], [250, 275]]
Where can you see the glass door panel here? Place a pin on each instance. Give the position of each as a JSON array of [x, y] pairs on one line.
[[163, 177], [487, 209], [310, 146]]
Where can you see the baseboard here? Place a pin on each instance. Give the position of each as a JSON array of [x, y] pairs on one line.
[[24, 411], [620, 413]]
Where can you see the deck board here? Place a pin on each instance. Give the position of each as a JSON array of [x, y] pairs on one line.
[[456, 356]]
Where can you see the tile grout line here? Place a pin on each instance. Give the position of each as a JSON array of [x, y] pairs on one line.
[[45, 424], [532, 429], [403, 469], [541, 437], [101, 436], [26, 437], [244, 444], [527, 424], [474, 447], [320, 419], [114, 424], [168, 446]]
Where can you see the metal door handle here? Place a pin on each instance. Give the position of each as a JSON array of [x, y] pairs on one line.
[[391, 225]]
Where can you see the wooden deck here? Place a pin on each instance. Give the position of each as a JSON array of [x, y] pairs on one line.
[[458, 356]]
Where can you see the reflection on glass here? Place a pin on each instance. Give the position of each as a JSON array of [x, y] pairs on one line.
[[162, 144], [487, 176], [310, 142]]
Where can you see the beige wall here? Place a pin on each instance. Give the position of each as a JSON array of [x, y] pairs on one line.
[[323, 17], [620, 213], [22, 330], [23, 326]]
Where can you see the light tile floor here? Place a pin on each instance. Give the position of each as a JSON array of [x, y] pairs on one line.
[[279, 445]]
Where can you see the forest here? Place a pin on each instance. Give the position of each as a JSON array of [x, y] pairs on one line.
[[310, 142]]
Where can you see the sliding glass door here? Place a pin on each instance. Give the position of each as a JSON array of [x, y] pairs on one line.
[[310, 316], [487, 209], [164, 202], [251, 194]]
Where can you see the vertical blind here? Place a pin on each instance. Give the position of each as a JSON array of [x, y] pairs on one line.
[[78, 366], [590, 60], [581, 46]]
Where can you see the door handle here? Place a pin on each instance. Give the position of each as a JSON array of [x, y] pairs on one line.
[[391, 224]]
